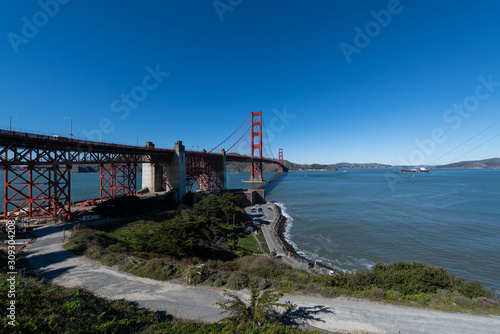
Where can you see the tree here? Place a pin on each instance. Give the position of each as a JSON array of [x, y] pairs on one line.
[[215, 210], [176, 237], [261, 308]]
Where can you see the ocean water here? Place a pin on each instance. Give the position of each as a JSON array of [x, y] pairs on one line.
[[354, 219]]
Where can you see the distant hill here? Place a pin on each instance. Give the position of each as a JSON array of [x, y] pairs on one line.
[[343, 165], [293, 166], [475, 164], [233, 166]]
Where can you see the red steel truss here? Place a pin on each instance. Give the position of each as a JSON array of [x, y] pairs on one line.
[[205, 170], [37, 170], [118, 180], [256, 171], [36, 191]]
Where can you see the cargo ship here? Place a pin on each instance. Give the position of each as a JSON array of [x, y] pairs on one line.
[[415, 170]]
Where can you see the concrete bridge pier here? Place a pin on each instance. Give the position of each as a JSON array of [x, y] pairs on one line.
[[152, 174], [208, 170], [153, 178], [176, 171]]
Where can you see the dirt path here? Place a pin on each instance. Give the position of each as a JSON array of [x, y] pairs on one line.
[[258, 241], [53, 262]]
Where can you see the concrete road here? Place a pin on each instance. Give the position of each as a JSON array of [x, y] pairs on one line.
[[265, 216], [54, 263]]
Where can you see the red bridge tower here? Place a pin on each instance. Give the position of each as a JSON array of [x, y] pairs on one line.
[[280, 160], [256, 172]]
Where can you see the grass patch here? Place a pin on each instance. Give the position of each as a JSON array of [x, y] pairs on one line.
[[155, 268], [249, 242]]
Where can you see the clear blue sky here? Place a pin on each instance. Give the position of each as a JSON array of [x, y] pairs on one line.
[[357, 81]]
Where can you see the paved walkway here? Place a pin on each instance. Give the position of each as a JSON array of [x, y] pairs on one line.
[[54, 263]]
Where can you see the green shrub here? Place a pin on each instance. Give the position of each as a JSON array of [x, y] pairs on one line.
[[313, 288], [237, 281], [339, 280], [154, 269], [196, 274], [404, 278], [361, 280], [443, 293], [377, 293], [81, 241], [250, 262], [393, 295], [218, 283], [470, 289], [267, 273], [262, 286], [486, 301], [329, 293], [461, 301], [411, 278], [418, 297]]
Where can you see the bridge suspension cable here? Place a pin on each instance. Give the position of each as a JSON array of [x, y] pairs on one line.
[[267, 140], [229, 149], [230, 135]]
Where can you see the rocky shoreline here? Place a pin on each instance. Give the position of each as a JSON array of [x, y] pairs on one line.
[[280, 228]]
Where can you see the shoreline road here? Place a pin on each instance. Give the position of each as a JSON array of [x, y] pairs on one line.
[[51, 261], [265, 216]]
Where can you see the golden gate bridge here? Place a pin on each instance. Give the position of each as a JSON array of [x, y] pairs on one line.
[[37, 168]]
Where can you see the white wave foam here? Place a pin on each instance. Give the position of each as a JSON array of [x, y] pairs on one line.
[[347, 264], [289, 224]]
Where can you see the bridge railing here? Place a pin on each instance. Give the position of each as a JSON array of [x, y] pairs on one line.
[[61, 139]]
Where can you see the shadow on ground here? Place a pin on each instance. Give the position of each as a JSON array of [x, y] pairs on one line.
[[43, 260], [300, 316], [51, 274], [42, 232]]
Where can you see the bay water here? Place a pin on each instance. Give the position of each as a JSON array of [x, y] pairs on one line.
[[355, 218]]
